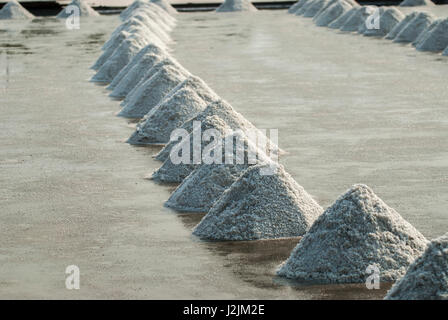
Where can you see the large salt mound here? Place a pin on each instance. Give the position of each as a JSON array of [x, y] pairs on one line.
[[427, 277], [415, 27], [414, 3], [14, 10], [423, 35], [259, 206], [153, 14], [185, 101], [236, 5], [84, 10], [296, 6], [358, 19], [315, 7], [165, 5], [129, 77], [120, 58], [352, 3], [388, 20], [166, 76], [139, 6], [336, 10], [304, 7], [343, 18], [400, 26], [435, 40], [357, 231]]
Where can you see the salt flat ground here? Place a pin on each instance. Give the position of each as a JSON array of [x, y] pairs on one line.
[[348, 109]]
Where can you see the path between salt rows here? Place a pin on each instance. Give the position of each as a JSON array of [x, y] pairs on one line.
[[75, 194]]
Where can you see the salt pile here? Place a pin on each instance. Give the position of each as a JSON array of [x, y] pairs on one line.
[[357, 231], [259, 206], [415, 27], [445, 52], [427, 277], [358, 19], [84, 10], [400, 26], [423, 35], [336, 10], [436, 39], [414, 3], [296, 6], [339, 22], [129, 77], [388, 20], [183, 103], [14, 10], [165, 76], [304, 7], [236, 5], [165, 5], [315, 7]]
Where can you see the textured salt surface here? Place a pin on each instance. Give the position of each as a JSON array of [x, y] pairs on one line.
[[445, 52], [129, 77], [415, 27], [259, 206], [427, 277], [400, 26], [370, 10], [152, 22], [357, 231], [84, 10], [304, 7], [14, 10], [423, 35], [296, 6], [165, 5], [162, 78], [414, 3], [436, 39], [358, 19], [236, 5], [388, 20], [315, 7], [183, 103], [339, 22], [334, 11]]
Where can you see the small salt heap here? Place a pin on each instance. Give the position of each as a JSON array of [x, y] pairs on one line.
[[136, 70], [84, 10], [436, 40], [183, 103], [14, 10], [343, 18], [415, 3], [260, 206], [162, 78], [400, 26], [236, 5], [359, 230], [427, 277], [388, 20], [296, 6], [415, 27], [358, 19], [334, 11], [315, 7]]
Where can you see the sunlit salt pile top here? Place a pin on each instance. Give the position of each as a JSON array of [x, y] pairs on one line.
[[260, 206], [84, 10], [400, 26], [153, 17], [184, 102], [436, 39], [359, 230], [334, 11], [147, 7], [388, 20], [136, 70], [415, 3], [343, 18], [164, 4], [163, 78], [296, 6], [427, 277], [415, 27], [14, 10], [315, 7], [236, 5], [358, 19]]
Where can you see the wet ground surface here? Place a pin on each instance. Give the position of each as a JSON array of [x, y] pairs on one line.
[[348, 110]]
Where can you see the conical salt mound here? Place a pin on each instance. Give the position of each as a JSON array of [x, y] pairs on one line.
[[315, 7], [141, 65], [260, 206], [445, 52], [84, 10], [14, 10], [334, 11], [435, 40], [185, 101], [415, 3], [388, 20], [236, 5], [152, 20], [358, 19], [415, 27], [165, 5], [330, 3], [400, 26], [359, 230], [232, 118], [427, 277], [343, 18], [304, 7], [163, 78], [425, 34], [296, 6], [139, 6], [371, 11]]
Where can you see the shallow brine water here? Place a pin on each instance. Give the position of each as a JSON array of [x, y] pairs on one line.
[[349, 109]]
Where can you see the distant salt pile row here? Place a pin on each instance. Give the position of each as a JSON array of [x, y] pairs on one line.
[[236, 5], [422, 29], [14, 11]]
